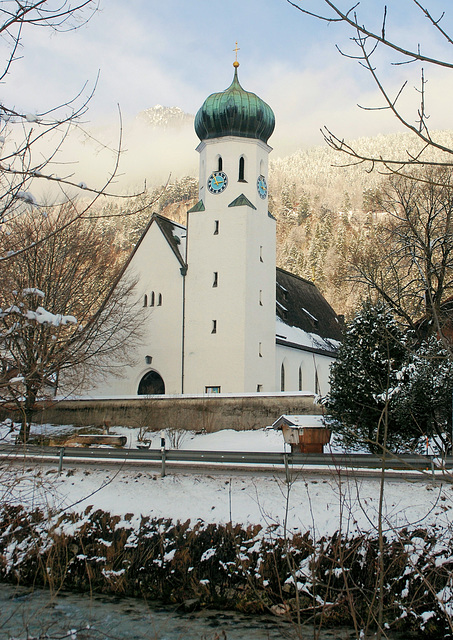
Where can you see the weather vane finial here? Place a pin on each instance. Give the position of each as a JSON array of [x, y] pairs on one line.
[[236, 49]]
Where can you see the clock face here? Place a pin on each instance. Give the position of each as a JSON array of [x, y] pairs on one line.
[[261, 185], [217, 182]]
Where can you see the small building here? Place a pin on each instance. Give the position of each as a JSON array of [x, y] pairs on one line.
[[305, 434]]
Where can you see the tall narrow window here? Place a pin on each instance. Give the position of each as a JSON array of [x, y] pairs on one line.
[[241, 169], [261, 297], [159, 300], [260, 353], [300, 378], [214, 326], [145, 300], [261, 254], [282, 378], [259, 388], [215, 280], [317, 389], [151, 302], [216, 227], [220, 164]]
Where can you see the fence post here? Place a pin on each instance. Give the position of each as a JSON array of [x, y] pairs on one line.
[[60, 461], [162, 449], [285, 456]]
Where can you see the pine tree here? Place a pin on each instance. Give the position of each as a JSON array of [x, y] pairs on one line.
[[363, 380], [425, 392]]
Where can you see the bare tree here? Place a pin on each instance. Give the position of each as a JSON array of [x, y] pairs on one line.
[[64, 312], [31, 141], [367, 45], [409, 263]]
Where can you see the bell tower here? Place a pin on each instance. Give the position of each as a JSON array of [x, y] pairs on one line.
[[229, 328]]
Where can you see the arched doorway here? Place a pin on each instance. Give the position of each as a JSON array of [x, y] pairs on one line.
[[151, 384]]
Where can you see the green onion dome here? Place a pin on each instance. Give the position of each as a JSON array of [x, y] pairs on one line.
[[234, 112]]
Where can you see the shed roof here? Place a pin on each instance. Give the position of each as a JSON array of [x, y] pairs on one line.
[[298, 421]]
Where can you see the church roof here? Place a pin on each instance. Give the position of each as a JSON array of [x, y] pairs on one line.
[[234, 112], [306, 318], [175, 234], [241, 201]]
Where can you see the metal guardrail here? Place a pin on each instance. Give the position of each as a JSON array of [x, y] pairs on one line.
[[352, 460]]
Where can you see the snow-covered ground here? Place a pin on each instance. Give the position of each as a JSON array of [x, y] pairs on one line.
[[321, 504]]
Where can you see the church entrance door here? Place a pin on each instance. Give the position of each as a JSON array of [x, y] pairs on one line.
[[151, 384]]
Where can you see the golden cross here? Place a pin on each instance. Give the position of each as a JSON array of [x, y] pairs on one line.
[[236, 49]]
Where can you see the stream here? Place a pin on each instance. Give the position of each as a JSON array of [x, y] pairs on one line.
[[27, 614]]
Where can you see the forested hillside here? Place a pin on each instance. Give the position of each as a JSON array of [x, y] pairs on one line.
[[323, 211]]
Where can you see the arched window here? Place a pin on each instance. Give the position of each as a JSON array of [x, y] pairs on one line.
[[151, 302], [151, 383], [282, 378], [242, 169], [145, 300], [159, 300], [220, 164]]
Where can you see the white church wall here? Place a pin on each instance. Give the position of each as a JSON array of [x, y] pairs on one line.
[[231, 149], [304, 371], [260, 303], [213, 353], [157, 269], [238, 244]]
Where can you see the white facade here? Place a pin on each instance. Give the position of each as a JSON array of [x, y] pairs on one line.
[[208, 293], [230, 288], [298, 370]]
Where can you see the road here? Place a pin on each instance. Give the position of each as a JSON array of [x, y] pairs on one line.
[[245, 462]]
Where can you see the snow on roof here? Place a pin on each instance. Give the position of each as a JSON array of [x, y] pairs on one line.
[[310, 315], [298, 421], [296, 336], [301, 306]]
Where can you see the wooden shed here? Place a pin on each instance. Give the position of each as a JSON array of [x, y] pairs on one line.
[[305, 434]]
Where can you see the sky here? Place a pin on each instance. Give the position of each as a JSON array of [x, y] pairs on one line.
[[176, 53]]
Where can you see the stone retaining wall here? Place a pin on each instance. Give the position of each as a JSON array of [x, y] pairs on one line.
[[212, 412]]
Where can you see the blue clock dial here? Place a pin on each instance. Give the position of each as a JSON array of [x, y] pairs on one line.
[[217, 182], [261, 185]]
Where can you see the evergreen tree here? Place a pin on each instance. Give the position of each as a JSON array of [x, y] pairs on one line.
[[425, 391], [363, 380]]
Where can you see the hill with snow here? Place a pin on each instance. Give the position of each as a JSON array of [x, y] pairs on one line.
[[165, 117]]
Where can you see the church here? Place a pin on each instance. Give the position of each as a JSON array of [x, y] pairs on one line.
[[219, 317]]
